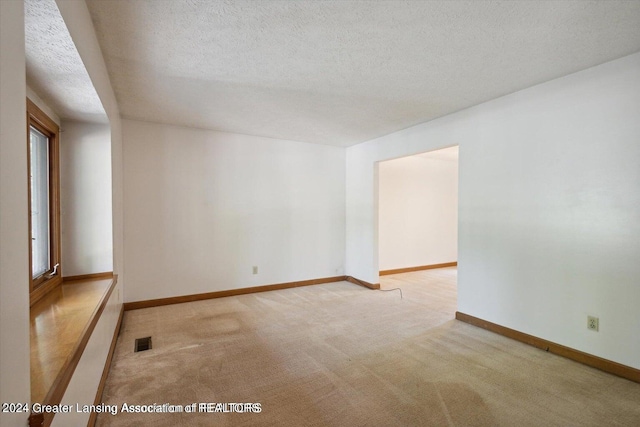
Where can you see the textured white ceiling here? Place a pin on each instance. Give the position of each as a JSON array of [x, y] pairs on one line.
[[54, 68], [342, 72]]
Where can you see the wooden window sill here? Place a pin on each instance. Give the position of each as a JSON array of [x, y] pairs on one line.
[[61, 324]]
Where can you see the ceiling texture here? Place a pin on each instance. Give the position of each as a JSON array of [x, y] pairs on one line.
[[54, 69], [343, 72]]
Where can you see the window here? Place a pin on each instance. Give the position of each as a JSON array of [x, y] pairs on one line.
[[44, 202]]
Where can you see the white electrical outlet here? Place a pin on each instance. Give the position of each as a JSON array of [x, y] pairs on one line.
[[255, 269], [593, 323]]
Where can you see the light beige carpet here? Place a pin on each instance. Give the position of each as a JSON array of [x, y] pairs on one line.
[[341, 355]]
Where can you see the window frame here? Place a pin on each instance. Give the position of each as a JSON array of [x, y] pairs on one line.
[[41, 285]]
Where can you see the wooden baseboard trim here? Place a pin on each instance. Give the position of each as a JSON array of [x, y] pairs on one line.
[[135, 305], [585, 358], [418, 268], [59, 386], [351, 279], [107, 366], [92, 276]]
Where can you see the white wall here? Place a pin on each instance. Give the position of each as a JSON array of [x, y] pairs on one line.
[[203, 207], [35, 98], [78, 21], [14, 228], [549, 201], [418, 210], [85, 182]]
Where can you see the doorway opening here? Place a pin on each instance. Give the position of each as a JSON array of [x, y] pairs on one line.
[[418, 225]]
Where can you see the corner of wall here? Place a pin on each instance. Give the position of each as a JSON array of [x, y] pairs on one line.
[[14, 231]]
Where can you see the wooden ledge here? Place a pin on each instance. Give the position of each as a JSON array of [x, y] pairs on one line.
[[59, 386], [605, 365]]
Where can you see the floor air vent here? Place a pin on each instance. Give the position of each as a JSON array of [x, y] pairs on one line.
[[142, 344]]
